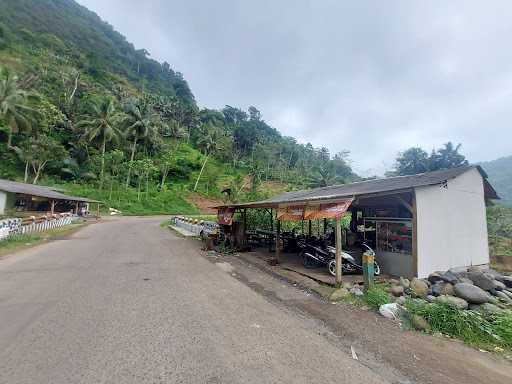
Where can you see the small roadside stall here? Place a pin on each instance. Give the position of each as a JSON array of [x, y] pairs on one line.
[[416, 224]]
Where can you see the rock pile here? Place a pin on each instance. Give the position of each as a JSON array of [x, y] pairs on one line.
[[464, 288]]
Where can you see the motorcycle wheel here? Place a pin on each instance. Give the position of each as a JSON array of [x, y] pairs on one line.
[[332, 267]]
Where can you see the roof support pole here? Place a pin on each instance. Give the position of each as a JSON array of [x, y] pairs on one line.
[[309, 229], [278, 235], [338, 251], [325, 226], [271, 230], [98, 210], [52, 206], [76, 208]]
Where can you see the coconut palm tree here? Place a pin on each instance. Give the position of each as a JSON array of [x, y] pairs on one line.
[[141, 124], [101, 126], [14, 109]]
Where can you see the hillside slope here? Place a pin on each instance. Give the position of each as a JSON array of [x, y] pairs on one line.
[[500, 176], [65, 28]]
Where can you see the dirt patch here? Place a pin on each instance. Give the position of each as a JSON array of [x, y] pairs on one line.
[[205, 205]]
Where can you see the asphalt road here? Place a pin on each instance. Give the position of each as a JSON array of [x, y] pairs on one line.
[[126, 301]]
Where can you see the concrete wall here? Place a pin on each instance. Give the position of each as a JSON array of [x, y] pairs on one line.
[[396, 264], [7, 201], [452, 227]]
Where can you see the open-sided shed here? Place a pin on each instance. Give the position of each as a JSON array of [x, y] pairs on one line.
[[417, 224], [29, 197]]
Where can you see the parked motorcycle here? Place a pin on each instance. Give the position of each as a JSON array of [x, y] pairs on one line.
[[316, 253]]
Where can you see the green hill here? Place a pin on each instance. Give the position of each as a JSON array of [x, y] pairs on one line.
[[111, 123], [500, 176]]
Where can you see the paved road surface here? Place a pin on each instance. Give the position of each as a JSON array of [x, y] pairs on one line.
[[125, 301]]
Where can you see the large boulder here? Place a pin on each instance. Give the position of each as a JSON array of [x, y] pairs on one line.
[[471, 293], [419, 287], [450, 277], [504, 297], [485, 308], [452, 301], [483, 280], [442, 288], [435, 277], [397, 290], [405, 282], [507, 280]]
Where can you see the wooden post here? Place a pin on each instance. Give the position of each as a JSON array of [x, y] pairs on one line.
[[309, 228], [98, 210], [325, 226], [278, 235], [52, 204], [338, 252], [76, 208], [271, 230]]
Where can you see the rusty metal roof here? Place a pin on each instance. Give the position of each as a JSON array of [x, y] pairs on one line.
[[369, 187], [39, 190]]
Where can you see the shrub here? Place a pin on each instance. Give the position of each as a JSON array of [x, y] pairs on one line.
[[375, 297]]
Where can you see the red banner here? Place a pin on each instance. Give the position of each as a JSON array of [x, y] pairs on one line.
[[292, 213], [327, 211], [225, 216]]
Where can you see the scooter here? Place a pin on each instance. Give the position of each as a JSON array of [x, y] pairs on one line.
[[313, 253]]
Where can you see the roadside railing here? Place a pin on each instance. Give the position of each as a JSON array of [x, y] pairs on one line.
[[29, 225], [188, 224]]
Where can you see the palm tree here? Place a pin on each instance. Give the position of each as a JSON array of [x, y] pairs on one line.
[[14, 109], [140, 123], [101, 126], [209, 143]]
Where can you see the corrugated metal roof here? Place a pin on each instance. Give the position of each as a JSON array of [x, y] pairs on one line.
[[39, 190], [390, 184]]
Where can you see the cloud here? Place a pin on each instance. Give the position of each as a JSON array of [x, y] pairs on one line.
[[371, 77]]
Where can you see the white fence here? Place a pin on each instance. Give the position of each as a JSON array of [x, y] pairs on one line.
[[188, 224], [9, 227]]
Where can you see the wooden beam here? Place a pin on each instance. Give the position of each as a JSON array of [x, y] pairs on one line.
[[52, 205], [409, 207], [98, 210], [338, 252], [76, 208], [309, 229], [325, 226]]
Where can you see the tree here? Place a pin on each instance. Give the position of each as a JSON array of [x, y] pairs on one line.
[[208, 143], [165, 162], [14, 109], [102, 126], [412, 161], [447, 157], [44, 150], [324, 176], [415, 160], [140, 123]]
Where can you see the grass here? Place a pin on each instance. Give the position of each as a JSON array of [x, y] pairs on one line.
[[18, 242], [491, 332], [129, 202]]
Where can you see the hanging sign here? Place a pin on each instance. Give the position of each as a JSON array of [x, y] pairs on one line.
[[225, 216], [327, 211], [291, 213]]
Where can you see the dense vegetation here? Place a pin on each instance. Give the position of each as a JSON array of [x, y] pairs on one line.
[[500, 176], [79, 105]]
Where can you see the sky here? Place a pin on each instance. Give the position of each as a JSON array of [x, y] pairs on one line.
[[371, 77]]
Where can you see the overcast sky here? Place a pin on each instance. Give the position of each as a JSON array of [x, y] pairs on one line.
[[372, 77]]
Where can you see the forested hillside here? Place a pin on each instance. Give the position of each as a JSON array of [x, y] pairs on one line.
[[81, 107], [500, 176]]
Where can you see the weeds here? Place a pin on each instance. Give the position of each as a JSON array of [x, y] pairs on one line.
[[375, 297], [474, 328]]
